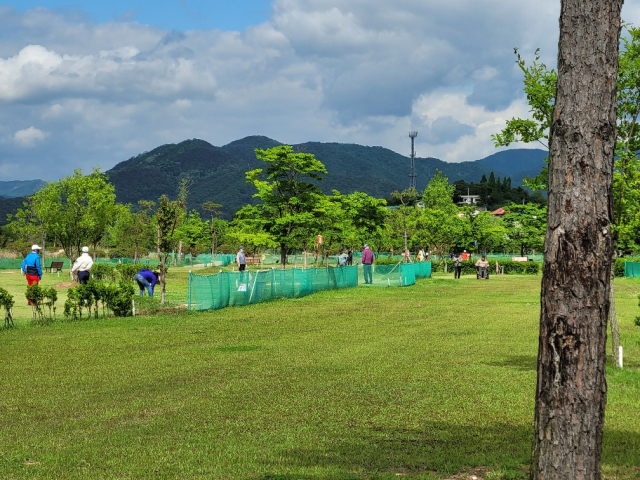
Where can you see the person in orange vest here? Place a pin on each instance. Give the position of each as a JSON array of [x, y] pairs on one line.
[[465, 256]]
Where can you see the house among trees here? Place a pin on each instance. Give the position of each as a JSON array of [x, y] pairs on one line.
[[499, 212]]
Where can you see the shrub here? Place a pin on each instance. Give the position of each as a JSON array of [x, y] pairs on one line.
[[103, 271], [42, 297], [389, 260], [618, 267], [127, 271], [6, 301], [114, 297]]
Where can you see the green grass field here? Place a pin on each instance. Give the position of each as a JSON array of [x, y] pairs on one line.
[[425, 381]]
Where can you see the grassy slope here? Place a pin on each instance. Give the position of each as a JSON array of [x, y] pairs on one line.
[[359, 383]]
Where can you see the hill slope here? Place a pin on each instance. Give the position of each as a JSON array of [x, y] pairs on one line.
[[20, 188], [218, 173]]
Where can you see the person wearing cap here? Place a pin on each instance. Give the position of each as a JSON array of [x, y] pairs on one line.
[[483, 268], [31, 267], [241, 260], [367, 261], [82, 265]]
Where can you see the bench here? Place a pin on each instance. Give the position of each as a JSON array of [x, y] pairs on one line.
[[519, 259], [252, 260], [56, 265]]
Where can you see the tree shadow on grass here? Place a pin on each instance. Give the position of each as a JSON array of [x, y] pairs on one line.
[[523, 363], [439, 448], [382, 452]]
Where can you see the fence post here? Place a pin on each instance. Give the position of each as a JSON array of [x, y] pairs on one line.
[[189, 292]]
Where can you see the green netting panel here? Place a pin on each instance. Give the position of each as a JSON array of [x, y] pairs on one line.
[[632, 269], [398, 275], [211, 292], [10, 263], [385, 275], [423, 269]]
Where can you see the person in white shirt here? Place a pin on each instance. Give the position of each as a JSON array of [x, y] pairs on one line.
[[82, 265]]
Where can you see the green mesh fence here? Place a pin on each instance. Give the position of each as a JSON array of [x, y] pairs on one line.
[[224, 289], [632, 269], [10, 263], [398, 275], [211, 292]]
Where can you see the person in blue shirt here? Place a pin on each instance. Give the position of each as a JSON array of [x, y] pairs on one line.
[[146, 279], [31, 267]]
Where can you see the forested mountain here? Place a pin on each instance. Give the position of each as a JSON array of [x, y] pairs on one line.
[[19, 188], [218, 173], [9, 206]]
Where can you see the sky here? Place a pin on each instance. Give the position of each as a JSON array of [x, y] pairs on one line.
[[91, 84]]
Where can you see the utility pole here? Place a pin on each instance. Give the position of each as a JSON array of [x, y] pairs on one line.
[[413, 135]]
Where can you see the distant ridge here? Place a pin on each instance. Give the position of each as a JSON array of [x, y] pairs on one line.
[[218, 173], [20, 188]]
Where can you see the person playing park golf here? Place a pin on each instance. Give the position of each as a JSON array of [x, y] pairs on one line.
[[483, 268], [82, 265], [367, 261], [146, 279], [241, 260], [31, 267], [342, 258]]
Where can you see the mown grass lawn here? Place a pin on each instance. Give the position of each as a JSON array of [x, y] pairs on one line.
[[421, 381]]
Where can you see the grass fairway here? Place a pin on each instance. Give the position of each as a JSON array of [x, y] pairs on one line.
[[424, 381]]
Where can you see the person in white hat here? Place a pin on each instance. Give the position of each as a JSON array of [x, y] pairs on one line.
[[31, 267], [82, 265]]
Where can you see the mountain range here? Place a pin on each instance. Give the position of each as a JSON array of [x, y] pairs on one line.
[[218, 173]]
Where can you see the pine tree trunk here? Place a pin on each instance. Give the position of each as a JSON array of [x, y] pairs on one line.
[[571, 388]]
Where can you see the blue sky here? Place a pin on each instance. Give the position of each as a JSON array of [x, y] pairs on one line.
[[168, 14], [91, 84]]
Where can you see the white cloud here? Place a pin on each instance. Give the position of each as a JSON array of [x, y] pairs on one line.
[[359, 71], [29, 137]]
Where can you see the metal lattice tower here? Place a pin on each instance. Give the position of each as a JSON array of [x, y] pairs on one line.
[[413, 135]]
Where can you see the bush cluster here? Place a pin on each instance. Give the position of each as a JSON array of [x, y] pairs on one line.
[[510, 267], [618, 268], [40, 298], [114, 298], [6, 301]]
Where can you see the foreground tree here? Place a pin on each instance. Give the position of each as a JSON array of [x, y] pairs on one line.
[[288, 199], [571, 387], [76, 210]]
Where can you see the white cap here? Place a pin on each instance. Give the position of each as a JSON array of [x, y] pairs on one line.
[[35, 247], [85, 249]]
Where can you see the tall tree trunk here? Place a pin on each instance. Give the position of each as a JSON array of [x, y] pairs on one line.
[[571, 387], [283, 255]]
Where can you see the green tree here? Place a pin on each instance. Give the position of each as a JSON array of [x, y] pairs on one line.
[[132, 233], [288, 197], [167, 217], [407, 199], [525, 226], [76, 210], [488, 230], [438, 194], [540, 89], [214, 210]]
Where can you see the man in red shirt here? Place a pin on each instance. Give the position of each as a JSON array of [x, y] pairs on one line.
[[367, 261]]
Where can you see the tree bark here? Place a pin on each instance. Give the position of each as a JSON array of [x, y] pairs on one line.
[[571, 388]]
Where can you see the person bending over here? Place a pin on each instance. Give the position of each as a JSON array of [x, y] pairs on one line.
[[146, 279]]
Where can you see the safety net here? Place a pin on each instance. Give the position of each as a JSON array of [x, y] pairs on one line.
[[224, 289], [632, 269]]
